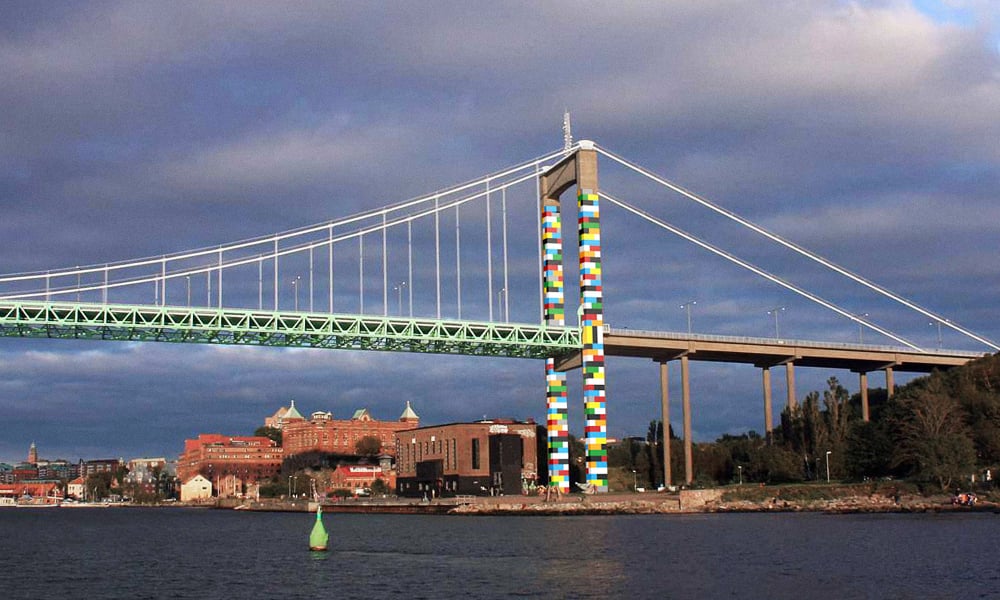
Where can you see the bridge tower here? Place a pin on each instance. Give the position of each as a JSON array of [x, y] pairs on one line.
[[579, 168]]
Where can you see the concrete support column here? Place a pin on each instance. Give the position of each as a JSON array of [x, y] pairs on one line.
[[768, 416], [686, 404], [665, 416], [790, 381], [863, 384], [890, 383]]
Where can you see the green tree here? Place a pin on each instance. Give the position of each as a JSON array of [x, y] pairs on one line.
[[933, 443], [380, 488], [272, 433], [369, 445]]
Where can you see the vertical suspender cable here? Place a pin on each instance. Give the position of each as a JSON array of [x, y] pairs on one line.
[[538, 219], [330, 274], [105, 285], [275, 273], [409, 264], [489, 254], [437, 253], [385, 270], [163, 282], [458, 259], [361, 273], [220, 280], [310, 278], [208, 287], [47, 298], [506, 284], [260, 283]]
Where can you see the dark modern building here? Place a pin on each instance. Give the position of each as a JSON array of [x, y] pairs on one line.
[[480, 458]]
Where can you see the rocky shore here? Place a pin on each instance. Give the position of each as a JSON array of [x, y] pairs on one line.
[[833, 499]]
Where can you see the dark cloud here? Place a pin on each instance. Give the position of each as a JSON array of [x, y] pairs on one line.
[[865, 131]]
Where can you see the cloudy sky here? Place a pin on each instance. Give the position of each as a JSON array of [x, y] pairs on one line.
[[865, 131]]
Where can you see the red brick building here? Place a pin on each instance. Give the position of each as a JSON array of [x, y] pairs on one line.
[[230, 462], [481, 458], [323, 433], [356, 478]]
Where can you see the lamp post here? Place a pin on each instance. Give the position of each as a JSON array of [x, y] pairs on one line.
[[399, 296], [774, 311], [295, 290], [828, 466], [861, 328], [740, 469], [687, 307], [938, 323], [188, 278], [500, 304], [635, 483]]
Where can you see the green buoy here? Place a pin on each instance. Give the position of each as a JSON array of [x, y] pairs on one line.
[[318, 538]]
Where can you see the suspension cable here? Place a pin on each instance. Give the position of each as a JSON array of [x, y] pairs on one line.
[[794, 247], [758, 271]]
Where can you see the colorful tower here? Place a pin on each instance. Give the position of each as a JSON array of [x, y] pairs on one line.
[[577, 168], [33, 454], [592, 334], [555, 314]]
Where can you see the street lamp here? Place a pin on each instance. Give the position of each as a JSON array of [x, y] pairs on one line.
[[740, 469], [687, 306], [938, 323], [774, 311], [399, 296], [828, 466], [289, 487], [295, 290], [500, 304], [188, 278], [861, 328], [635, 483]]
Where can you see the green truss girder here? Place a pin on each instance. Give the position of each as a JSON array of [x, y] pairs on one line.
[[282, 329]]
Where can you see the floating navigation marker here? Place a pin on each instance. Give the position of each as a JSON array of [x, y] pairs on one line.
[[318, 538]]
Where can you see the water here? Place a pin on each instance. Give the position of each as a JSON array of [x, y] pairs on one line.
[[196, 553]]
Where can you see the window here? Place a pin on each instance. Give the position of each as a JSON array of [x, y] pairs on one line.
[[475, 453]]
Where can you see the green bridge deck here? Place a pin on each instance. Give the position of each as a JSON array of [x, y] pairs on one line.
[[63, 320]]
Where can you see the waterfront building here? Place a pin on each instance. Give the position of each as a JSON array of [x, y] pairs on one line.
[[6, 473], [282, 416], [358, 479], [75, 488], [486, 457], [323, 433], [230, 463], [33, 492], [196, 489], [101, 465]]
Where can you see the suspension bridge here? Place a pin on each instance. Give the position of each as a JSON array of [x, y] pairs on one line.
[[440, 274]]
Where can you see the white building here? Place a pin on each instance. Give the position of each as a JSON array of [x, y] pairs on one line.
[[196, 489]]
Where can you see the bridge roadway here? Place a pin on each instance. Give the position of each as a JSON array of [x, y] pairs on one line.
[[764, 353]]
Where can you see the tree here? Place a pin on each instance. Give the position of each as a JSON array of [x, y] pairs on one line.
[[369, 445], [272, 433], [932, 440], [379, 487]]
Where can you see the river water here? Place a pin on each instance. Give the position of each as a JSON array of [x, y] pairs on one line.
[[197, 553]]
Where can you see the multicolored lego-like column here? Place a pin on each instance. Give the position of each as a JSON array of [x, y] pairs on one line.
[[592, 330], [555, 314]]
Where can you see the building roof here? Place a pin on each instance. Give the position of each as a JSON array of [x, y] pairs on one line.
[[361, 414], [408, 413], [292, 413]]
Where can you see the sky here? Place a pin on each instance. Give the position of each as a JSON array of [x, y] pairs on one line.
[[867, 132]]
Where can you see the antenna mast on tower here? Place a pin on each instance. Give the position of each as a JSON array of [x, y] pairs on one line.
[[567, 133]]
